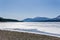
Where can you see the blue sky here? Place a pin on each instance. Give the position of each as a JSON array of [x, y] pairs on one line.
[[21, 9]]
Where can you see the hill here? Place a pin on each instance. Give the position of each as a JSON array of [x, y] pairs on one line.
[[8, 20]]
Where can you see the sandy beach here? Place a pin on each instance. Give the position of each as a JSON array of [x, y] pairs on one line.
[[11, 35]]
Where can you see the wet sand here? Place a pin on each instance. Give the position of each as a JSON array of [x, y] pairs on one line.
[[11, 35]]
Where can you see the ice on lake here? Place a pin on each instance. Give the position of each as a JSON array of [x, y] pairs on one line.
[[48, 28]]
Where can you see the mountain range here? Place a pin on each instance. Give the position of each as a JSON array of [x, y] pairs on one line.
[[36, 19], [42, 19]]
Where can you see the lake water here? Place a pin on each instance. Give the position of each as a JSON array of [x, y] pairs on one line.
[[46, 28]]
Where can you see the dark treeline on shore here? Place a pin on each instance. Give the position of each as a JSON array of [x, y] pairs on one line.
[[8, 20]]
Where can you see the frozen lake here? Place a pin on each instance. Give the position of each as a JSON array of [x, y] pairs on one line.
[[46, 28]]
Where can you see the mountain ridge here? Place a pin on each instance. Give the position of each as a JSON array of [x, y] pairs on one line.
[[35, 19], [42, 19]]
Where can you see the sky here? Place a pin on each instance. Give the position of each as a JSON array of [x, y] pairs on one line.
[[21, 9]]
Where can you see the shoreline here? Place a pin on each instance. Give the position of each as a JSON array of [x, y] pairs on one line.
[[40, 32], [13, 35]]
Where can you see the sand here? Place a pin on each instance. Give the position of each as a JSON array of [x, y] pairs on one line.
[[11, 35]]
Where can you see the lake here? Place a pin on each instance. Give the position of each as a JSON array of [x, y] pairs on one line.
[[46, 28]]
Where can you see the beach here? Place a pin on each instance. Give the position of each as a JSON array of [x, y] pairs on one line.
[[13, 35]]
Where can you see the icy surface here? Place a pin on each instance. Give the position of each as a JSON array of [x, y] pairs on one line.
[[46, 28]]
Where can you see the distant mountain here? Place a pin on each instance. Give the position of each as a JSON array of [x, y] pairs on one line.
[[42, 19], [8, 20], [28, 20], [36, 19], [58, 17]]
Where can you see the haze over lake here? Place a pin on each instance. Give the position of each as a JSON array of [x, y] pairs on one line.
[[50, 28]]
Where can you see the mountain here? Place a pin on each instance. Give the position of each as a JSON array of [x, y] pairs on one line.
[[58, 17], [42, 19], [8, 20], [28, 20], [36, 19]]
